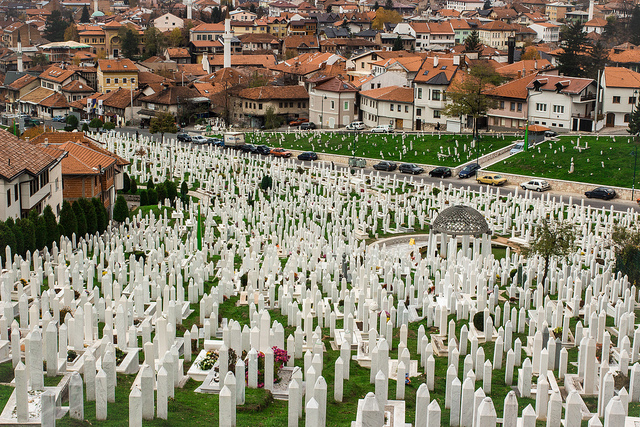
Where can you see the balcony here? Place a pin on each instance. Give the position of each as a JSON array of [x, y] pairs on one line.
[[588, 97], [28, 201]]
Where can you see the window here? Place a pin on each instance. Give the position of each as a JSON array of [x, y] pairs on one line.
[[280, 104], [333, 105], [512, 107], [124, 80], [616, 100], [108, 81], [391, 107], [346, 105], [419, 93], [406, 108], [541, 107], [435, 95], [519, 106], [558, 109], [436, 114], [626, 118], [502, 105], [259, 106], [418, 111], [9, 197], [15, 192], [632, 100], [133, 79], [115, 80]]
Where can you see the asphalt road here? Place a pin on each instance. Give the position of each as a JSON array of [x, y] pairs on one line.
[[578, 199]]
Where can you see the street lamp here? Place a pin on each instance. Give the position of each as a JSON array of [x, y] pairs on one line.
[[322, 109]]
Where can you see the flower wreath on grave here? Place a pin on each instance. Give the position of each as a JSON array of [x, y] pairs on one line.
[[280, 358], [209, 360]]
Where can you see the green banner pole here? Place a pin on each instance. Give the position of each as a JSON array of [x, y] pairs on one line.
[[526, 137]]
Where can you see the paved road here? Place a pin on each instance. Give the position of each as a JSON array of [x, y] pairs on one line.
[[620, 205]]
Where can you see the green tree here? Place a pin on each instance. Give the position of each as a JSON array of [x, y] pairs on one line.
[[17, 232], [28, 229], [89, 215], [152, 194], [472, 42], [102, 218], [52, 225], [573, 40], [266, 183], [626, 246], [41, 232], [397, 44], [7, 238], [172, 190], [120, 210], [71, 33], [126, 183], [162, 192], [550, 238], [184, 189], [271, 119], [85, 127], [39, 59], [134, 186], [109, 126], [129, 41], [634, 26], [85, 18], [384, 16], [72, 123], [154, 42], [163, 123], [144, 198], [150, 184], [95, 123], [634, 120], [80, 219], [68, 219], [55, 27], [175, 38], [599, 56], [467, 97]]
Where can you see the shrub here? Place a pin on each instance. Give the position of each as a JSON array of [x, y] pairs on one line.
[[478, 320], [126, 183], [85, 127], [144, 198], [153, 196], [162, 192], [134, 186], [68, 219], [72, 122], [120, 210], [266, 183], [95, 123], [52, 226], [150, 184], [80, 218], [109, 126], [90, 215], [102, 217]]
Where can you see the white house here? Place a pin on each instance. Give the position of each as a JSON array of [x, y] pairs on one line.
[[392, 105], [430, 85], [620, 90], [562, 103], [168, 22], [462, 5], [332, 103], [242, 15], [595, 25], [30, 177], [428, 34], [546, 32]]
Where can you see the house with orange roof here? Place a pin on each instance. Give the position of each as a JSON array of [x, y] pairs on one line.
[[496, 33], [44, 103], [464, 5], [333, 103], [168, 22], [595, 25], [289, 102], [430, 85], [546, 32], [116, 73], [178, 54], [428, 34], [627, 56], [30, 178], [562, 103], [511, 110], [302, 66], [206, 32], [620, 90], [525, 67], [18, 88], [392, 105]]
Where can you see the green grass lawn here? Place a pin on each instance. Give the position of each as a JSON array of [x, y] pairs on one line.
[[424, 149], [551, 162]]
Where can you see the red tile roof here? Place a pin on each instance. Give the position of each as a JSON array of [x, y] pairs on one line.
[[265, 93], [390, 93], [18, 156]]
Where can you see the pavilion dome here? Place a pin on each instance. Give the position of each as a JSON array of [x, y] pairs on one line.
[[461, 221], [97, 13]]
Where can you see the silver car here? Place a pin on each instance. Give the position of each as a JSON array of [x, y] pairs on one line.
[[536, 185]]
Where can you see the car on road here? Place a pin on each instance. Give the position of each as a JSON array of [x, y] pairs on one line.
[[518, 147], [382, 129], [215, 141], [355, 126], [280, 152], [183, 137], [604, 193], [385, 166], [84, 122], [263, 149], [550, 134], [199, 139], [411, 168], [492, 179], [536, 185], [440, 172], [308, 155], [307, 126], [470, 170], [298, 122], [249, 148], [59, 119]]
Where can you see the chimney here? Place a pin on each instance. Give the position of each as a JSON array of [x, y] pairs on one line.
[[206, 66], [519, 74], [435, 61], [511, 49], [535, 64]]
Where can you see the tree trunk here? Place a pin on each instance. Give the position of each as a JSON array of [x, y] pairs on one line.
[[546, 270]]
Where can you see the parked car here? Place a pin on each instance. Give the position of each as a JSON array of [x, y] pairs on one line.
[[604, 193], [59, 119], [199, 139], [216, 141], [84, 122], [440, 172], [550, 134], [183, 137], [280, 152], [536, 185], [307, 126], [356, 126], [410, 168], [518, 147], [263, 149], [382, 129], [297, 122], [249, 148], [308, 155], [470, 170], [385, 166], [492, 179]]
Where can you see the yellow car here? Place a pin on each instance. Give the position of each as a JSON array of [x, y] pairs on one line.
[[492, 179]]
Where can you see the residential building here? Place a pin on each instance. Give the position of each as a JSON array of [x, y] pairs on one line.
[[178, 54], [430, 85], [620, 90], [173, 99], [288, 102], [259, 26], [464, 5], [295, 45], [332, 103], [303, 27], [391, 105], [386, 41], [242, 15], [260, 43], [511, 110], [428, 35], [55, 78], [206, 32], [595, 25], [303, 66], [496, 33], [625, 56], [26, 33], [168, 22], [556, 11], [17, 89], [562, 103], [546, 32], [116, 73], [44, 103], [30, 178]]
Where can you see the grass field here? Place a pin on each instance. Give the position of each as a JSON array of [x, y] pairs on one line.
[[549, 160], [447, 150]]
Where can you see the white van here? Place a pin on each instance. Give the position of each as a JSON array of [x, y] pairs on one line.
[[517, 148]]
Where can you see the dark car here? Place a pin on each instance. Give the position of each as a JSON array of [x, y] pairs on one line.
[[440, 172], [550, 133], [604, 193], [249, 148], [307, 126], [469, 170], [183, 137], [215, 141], [410, 168], [263, 149], [385, 166], [308, 155]]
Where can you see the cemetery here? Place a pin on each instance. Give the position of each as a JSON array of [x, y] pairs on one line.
[[599, 160], [287, 295], [425, 148]]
